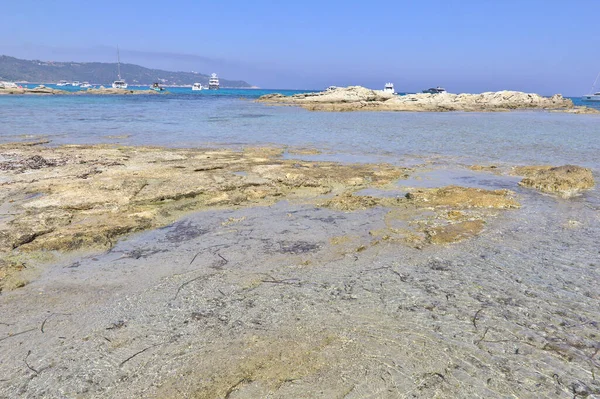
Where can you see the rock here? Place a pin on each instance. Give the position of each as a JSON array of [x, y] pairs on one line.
[[359, 98], [566, 181], [453, 232], [464, 197]]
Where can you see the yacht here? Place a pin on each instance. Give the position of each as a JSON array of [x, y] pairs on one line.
[[595, 95], [156, 87], [213, 82], [389, 88], [119, 83], [63, 83], [75, 84], [436, 90], [85, 85], [197, 86], [592, 97]]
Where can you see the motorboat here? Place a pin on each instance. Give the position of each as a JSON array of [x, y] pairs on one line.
[[156, 87], [85, 85], [119, 83], [63, 83], [595, 95], [8, 85], [197, 86], [389, 88], [213, 82], [435, 90], [75, 84]]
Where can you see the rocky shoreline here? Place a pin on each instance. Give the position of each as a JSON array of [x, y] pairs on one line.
[[253, 275], [43, 90], [357, 98]]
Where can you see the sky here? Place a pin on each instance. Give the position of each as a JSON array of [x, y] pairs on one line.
[[543, 46]]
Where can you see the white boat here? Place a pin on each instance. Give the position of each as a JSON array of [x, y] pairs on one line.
[[75, 84], [85, 85], [389, 88], [119, 83], [436, 90], [213, 82], [592, 97], [197, 86], [8, 85], [595, 95], [63, 83]]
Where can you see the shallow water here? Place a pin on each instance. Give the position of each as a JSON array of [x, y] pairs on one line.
[[215, 120], [510, 313]]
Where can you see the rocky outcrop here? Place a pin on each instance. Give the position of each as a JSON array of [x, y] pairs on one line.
[[566, 181], [36, 90], [43, 90], [109, 90], [356, 98]]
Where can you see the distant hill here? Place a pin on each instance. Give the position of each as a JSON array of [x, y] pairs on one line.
[[17, 70]]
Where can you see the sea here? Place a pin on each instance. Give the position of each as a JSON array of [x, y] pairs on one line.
[[530, 278], [232, 118]]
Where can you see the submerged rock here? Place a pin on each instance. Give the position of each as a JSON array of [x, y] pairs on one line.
[[464, 197], [566, 180]]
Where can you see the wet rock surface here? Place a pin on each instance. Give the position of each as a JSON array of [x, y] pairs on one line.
[[566, 181], [356, 98], [283, 281]]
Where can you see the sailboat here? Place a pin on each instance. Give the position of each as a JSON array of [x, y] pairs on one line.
[[595, 96], [119, 83]]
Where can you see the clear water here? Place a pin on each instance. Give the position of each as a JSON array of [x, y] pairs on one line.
[[233, 118]]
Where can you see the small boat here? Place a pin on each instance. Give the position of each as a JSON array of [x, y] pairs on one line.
[[119, 83], [435, 90], [63, 83], [595, 96], [75, 84], [389, 88], [8, 85], [85, 85], [156, 87], [213, 82], [197, 86]]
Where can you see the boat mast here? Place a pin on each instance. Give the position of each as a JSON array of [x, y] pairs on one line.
[[118, 64], [594, 85]]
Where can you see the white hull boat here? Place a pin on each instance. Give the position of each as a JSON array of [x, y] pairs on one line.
[[389, 88], [119, 83], [197, 86], [213, 82], [595, 95]]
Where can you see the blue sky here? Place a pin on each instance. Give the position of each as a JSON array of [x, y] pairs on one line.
[[544, 46]]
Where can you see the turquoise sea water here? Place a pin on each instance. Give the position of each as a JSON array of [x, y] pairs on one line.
[[231, 117]]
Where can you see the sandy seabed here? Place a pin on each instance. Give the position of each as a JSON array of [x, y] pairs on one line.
[[207, 273]]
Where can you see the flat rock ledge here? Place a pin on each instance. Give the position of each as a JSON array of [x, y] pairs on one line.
[[566, 181], [43, 90], [357, 98]]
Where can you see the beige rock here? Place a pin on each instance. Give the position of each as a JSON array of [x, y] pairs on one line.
[[359, 98], [566, 181], [464, 197]]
